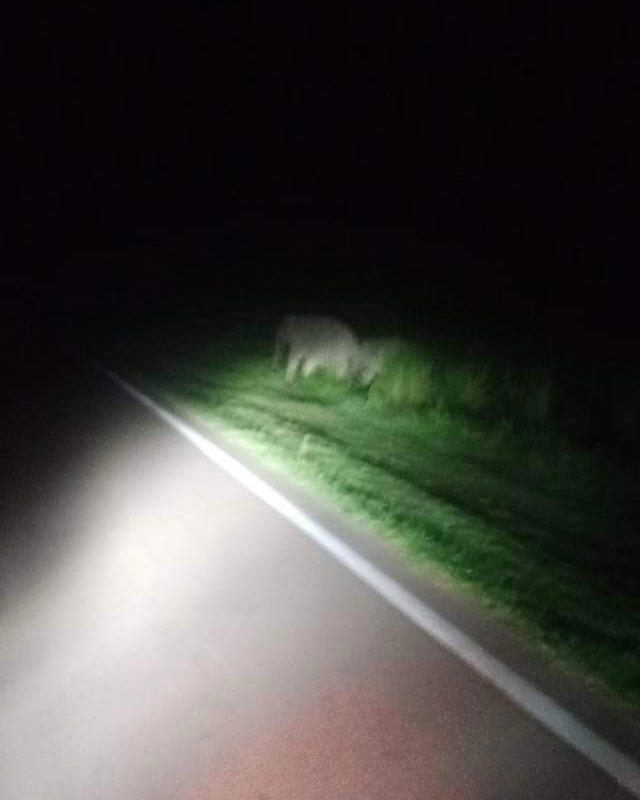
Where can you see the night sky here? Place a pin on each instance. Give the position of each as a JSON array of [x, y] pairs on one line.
[[486, 152]]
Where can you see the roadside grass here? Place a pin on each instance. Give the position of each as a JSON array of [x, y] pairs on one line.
[[543, 532]]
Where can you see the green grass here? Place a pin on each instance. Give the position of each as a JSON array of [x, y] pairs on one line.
[[541, 531]]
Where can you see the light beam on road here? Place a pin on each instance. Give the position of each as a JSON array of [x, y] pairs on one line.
[[623, 769]]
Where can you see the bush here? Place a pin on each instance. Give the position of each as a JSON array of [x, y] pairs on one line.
[[468, 387], [526, 393], [405, 380]]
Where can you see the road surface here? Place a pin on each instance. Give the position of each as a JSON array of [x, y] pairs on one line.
[[165, 634]]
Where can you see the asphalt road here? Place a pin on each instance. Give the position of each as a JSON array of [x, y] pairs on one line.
[[164, 633]]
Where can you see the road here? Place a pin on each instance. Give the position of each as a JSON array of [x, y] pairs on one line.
[[165, 633]]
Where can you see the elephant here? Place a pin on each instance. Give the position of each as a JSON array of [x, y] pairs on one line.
[[307, 343]]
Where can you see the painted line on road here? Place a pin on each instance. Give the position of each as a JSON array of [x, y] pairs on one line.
[[541, 707]]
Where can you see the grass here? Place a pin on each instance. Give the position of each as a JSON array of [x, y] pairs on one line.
[[543, 532]]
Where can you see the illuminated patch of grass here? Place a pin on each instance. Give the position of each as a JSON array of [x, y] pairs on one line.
[[522, 520]]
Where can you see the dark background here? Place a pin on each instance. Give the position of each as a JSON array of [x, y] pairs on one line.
[[473, 160]]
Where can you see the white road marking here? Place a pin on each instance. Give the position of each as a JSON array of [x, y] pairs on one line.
[[544, 709]]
